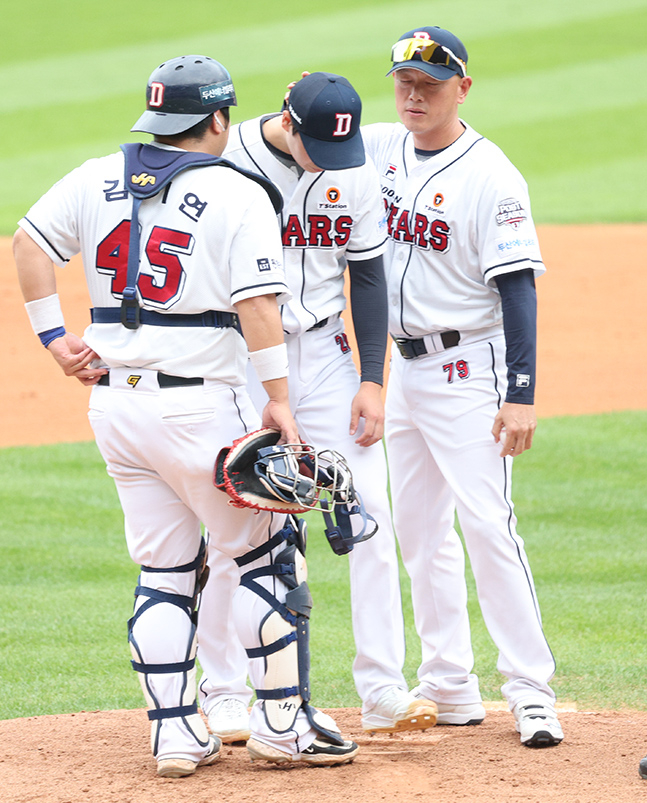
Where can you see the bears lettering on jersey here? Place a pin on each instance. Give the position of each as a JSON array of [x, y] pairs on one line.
[[418, 229], [320, 231]]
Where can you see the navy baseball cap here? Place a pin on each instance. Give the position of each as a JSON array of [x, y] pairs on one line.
[[432, 50], [326, 111]]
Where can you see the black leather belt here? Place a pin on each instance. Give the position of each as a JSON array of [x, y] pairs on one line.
[[164, 380], [410, 348], [212, 318], [319, 325], [323, 322]]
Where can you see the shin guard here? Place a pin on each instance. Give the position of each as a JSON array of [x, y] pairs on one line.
[[284, 632], [165, 623]]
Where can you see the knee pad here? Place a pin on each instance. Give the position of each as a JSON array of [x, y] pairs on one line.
[[169, 688]]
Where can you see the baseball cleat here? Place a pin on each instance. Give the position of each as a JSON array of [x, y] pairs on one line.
[[398, 710], [470, 714], [229, 720], [537, 724], [181, 767], [320, 753], [642, 768]]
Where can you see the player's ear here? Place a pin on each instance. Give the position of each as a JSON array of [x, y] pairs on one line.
[[217, 123], [286, 121], [464, 88]]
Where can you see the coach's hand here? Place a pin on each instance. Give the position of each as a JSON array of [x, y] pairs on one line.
[[514, 427]]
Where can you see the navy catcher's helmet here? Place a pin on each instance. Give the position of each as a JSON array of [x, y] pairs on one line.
[[183, 91]]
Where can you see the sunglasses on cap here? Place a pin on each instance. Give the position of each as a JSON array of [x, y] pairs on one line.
[[427, 50]]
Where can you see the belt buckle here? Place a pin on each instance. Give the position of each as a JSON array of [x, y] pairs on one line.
[[405, 347]]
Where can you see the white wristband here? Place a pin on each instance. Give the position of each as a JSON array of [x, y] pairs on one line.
[[45, 313], [270, 363]]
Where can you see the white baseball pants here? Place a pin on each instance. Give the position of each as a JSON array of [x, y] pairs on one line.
[[443, 460]]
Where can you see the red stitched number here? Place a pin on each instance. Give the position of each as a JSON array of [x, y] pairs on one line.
[[342, 341], [460, 366], [166, 282]]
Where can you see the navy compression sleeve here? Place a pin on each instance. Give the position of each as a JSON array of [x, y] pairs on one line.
[[368, 303], [519, 304]]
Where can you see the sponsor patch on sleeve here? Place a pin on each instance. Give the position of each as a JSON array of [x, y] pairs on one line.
[[513, 245], [264, 264]]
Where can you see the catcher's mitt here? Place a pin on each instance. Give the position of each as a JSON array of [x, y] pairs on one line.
[[290, 478]]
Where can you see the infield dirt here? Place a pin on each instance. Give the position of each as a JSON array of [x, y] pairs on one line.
[[591, 358]]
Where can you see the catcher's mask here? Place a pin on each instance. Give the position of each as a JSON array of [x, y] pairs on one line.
[[257, 472], [295, 472]]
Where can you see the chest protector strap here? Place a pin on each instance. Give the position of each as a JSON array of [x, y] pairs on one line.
[[147, 170]]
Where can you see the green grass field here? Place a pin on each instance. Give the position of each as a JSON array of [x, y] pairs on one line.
[[66, 581], [558, 85]]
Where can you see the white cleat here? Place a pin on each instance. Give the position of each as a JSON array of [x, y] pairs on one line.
[[537, 724], [399, 710], [321, 753], [181, 767], [229, 720], [468, 714]]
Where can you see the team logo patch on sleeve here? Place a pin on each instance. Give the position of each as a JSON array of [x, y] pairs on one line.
[[511, 213], [263, 264]]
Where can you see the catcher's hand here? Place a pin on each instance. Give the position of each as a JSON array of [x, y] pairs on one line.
[[236, 475]]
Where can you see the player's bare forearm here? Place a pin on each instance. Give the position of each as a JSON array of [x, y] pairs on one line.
[[514, 427], [368, 405], [260, 321], [35, 269]]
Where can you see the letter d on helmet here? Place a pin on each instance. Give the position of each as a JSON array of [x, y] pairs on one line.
[[183, 91]]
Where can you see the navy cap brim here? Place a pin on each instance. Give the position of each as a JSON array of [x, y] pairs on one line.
[[335, 155], [438, 71], [167, 124]]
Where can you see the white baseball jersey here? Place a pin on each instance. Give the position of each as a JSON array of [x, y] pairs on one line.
[[456, 221], [178, 234], [327, 218]]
